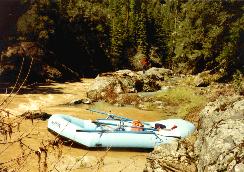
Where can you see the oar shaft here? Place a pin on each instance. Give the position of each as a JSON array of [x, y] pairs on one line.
[[127, 132], [108, 114], [105, 123]]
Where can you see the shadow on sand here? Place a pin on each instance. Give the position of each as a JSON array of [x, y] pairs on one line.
[[72, 144], [6, 88]]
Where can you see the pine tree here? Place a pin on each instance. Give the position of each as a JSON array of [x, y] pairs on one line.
[[142, 32]]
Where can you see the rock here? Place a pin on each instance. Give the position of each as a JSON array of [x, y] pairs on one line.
[[199, 82], [128, 99], [16, 56], [206, 78], [42, 66], [80, 101], [104, 87], [51, 73], [177, 156], [202, 79], [158, 73], [110, 85], [219, 145], [24, 48], [239, 167], [220, 142], [152, 78], [36, 115]]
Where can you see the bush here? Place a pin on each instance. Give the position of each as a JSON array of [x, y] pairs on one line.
[[238, 82], [136, 61], [183, 100]]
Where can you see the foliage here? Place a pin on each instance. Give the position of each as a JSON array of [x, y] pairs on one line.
[[136, 61], [36, 25], [238, 82], [187, 36], [206, 35]]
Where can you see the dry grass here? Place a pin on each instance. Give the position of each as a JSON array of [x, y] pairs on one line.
[[183, 100], [25, 148]]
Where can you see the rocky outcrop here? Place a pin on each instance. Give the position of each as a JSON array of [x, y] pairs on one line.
[[219, 145], [24, 48], [19, 58], [220, 142], [177, 156], [79, 101], [205, 78], [36, 115], [110, 85]]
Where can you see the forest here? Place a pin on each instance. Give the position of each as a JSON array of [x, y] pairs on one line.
[[77, 57], [93, 36]]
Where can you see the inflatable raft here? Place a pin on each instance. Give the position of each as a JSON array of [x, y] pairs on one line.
[[119, 133]]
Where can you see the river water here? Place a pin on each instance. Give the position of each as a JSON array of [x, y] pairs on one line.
[[53, 99]]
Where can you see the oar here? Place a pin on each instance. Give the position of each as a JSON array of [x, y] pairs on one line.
[[106, 123], [113, 115], [150, 129], [115, 131], [119, 131], [110, 115]]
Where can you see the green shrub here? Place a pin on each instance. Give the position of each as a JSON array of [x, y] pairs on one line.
[[136, 61], [182, 100], [238, 82]]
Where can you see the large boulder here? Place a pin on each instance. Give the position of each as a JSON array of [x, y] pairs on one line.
[[219, 145], [158, 73], [110, 85], [177, 156], [202, 79], [220, 142], [205, 78], [126, 81], [152, 78], [19, 58]]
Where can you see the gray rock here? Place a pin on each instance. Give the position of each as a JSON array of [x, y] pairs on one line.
[[158, 73], [80, 101], [104, 87], [177, 156], [219, 146], [110, 85], [239, 167], [202, 79]]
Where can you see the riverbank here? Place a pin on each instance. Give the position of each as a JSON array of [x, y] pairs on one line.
[[27, 145], [55, 98]]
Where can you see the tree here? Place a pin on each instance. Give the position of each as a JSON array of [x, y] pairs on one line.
[[187, 36], [36, 25], [197, 37]]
